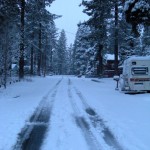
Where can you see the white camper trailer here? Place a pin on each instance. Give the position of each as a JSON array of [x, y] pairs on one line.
[[136, 75]]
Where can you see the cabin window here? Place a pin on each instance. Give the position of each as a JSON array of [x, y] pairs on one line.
[[139, 71]]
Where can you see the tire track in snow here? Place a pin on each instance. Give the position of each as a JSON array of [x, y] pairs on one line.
[[98, 123], [32, 135], [82, 123]]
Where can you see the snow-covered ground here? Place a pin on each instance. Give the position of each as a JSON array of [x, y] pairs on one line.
[[85, 114]]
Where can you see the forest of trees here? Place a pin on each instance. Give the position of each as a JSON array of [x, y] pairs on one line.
[[30, 43]]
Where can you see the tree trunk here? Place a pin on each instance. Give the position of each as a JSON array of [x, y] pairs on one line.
[[21, 60], [44, 63], [32, 56], [100, 60], [5, 54], [45, 60], [31, 65], [51, 59], [5, 62], [39, 51], [116, 39]]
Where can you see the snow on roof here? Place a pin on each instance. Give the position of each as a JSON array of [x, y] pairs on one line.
[[139, 58], [13, 66], [110, 57]]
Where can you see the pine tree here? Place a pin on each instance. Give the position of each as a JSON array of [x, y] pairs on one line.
[[61, 52], [51, 46], [70, 60], [81, 45], [146, 41], [98, 10], [128, 44], [132, 30], [137, 12]]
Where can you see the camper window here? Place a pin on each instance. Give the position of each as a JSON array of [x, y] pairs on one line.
[[140, 71], [133, 63]]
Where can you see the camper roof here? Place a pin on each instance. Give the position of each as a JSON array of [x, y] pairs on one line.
[[138, 58]]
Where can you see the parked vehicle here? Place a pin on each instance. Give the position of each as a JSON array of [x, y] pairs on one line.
[[136, 75]]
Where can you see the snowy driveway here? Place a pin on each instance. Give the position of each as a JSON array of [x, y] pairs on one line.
[[72, 113]]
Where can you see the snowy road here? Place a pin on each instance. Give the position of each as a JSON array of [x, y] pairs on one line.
[[90, 126], [69, 113]]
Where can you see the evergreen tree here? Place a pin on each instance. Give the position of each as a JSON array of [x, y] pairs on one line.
[[81, 46], [146, 41], [80, 52], [137, 12], [128, 44], [70, 60], [98, 10], [51, 46], [132, 31], [61, 52]]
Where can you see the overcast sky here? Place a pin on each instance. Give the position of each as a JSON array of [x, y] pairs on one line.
[[71, 16]]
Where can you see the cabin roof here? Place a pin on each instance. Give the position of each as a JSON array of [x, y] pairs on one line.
[[110, 57]]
